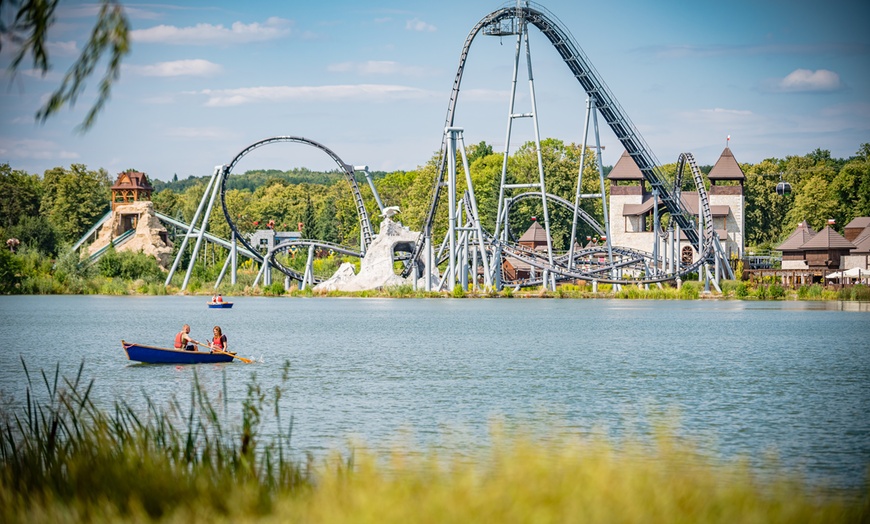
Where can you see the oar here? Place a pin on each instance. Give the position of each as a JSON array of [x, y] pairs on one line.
[[243, 359]]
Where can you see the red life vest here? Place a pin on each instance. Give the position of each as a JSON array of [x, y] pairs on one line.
[[218, 342], [220, 298], [179, 340]]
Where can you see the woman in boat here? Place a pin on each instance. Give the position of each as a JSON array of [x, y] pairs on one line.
[[219, 342]]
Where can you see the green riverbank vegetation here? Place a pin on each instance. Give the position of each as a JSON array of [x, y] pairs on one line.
[[63, 459]]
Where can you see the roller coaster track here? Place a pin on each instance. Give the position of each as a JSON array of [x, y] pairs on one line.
[[597, 90], [586, 217], [347, 169], [290, 244]]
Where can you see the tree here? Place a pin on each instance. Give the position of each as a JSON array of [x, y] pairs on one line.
[[74, 199], [813, 204], [29, 32], [309, 221], [19, 195], [326, 222]]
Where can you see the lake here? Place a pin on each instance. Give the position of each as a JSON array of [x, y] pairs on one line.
[[741, 378]]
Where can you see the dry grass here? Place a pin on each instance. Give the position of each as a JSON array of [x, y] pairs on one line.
[[63, 460]]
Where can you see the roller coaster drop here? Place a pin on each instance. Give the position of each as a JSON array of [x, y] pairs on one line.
[[469, 245]]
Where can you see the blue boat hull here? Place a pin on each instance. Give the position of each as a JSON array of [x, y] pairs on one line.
[[219, 305], [155, 355]]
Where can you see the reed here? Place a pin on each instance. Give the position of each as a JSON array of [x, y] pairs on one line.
[[64, 460]]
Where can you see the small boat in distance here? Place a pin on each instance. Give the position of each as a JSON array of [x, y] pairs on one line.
[[219, 305], [155, 355]]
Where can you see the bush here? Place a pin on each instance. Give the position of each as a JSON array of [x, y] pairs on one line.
[[741, 290], [690, 290], [776, 291]]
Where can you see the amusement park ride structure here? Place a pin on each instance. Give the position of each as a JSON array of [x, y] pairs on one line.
[[473, 254]]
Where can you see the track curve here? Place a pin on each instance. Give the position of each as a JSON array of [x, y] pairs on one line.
[[347, 169], [596, 89]]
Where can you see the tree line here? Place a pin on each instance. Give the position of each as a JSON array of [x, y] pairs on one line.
[[48, 212]]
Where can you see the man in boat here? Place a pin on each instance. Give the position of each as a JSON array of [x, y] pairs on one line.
[[183, 340], [220, 298]]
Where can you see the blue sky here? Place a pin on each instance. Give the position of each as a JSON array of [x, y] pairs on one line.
[[371, 81]]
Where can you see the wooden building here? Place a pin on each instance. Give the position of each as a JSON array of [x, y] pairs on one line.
[[131, 186], [825, 249]]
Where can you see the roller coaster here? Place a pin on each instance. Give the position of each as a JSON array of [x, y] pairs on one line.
[[474, 256]]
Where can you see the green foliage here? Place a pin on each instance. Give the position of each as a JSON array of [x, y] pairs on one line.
[[36, 232], [10, 272], [129, 266], [858, 292], [276, 289], [742, 290], [776, 291], [74, 199], [690, 290], [458, 292], [20, 194]]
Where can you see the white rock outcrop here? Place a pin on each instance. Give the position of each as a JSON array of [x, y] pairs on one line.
[[376, 268]]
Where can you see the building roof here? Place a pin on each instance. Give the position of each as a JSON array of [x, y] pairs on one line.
[[859, 222], [726, 168], [802, 234], [536, 234], [690, 199], [862, 243], [827, 239], [132, 180], [625, 169]]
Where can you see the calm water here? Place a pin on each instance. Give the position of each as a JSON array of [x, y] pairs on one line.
[[745, 378]]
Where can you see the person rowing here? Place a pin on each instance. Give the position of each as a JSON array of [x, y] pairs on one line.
[[183, 339]]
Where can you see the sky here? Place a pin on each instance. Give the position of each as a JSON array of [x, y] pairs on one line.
[[371, 81]]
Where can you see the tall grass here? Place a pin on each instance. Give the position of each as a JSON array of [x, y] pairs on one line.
[[65, 460]]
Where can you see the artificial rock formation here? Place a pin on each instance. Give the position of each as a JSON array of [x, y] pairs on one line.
[[150, 236], [376, 268]]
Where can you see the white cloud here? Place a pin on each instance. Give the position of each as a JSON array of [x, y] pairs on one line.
[[377, 67], [416, 24], [804, 80], [62, 48], [194, 67], [199, 132], [31, 149], [208, 34], [367, 92], [49, 76], [718, 111]]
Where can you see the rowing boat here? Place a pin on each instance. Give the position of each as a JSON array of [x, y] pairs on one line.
[[220, 305], [155, 355]]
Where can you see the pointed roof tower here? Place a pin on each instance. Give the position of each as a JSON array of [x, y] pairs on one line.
[[801, 235], [625, 169], [535, 236], [726, 168], [827, 239]]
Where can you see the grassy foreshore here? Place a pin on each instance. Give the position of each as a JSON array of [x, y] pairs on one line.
[[65, 460]]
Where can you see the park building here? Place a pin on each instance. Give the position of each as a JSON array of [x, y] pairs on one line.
[[131, 224], [632, 206], [813, 255]]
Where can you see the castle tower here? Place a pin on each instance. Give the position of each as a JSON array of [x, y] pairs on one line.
[[630, 206], [726, 189]]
